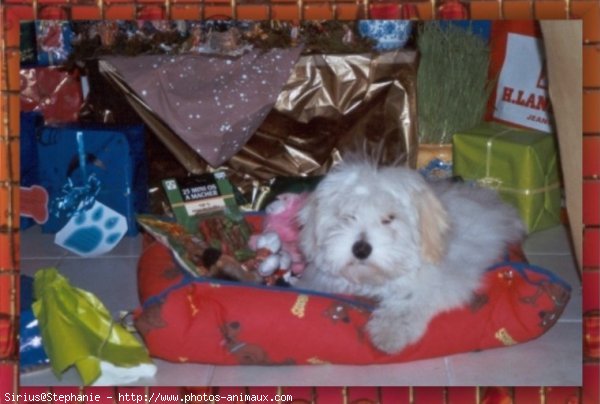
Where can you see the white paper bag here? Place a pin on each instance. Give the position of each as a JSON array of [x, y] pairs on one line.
[[521, 96]]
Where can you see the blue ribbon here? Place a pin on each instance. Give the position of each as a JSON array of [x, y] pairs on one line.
[[437, 169], [75, 199]]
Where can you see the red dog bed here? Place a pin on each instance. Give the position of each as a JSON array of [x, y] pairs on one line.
[[200, 320]]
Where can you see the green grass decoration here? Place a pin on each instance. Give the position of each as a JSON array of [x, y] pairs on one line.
[[452, 82]]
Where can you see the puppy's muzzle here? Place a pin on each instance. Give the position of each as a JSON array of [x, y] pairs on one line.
[[361, 249]]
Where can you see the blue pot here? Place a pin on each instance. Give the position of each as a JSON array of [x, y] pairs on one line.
[[388, 34]]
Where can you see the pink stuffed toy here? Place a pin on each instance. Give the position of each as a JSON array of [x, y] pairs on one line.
[[280, 236]]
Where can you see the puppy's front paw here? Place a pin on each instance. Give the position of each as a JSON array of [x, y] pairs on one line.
[[392, 333]]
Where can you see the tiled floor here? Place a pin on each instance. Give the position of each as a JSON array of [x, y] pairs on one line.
[[554, 359]]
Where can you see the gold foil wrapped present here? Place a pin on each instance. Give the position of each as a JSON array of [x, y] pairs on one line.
[[331, 105]]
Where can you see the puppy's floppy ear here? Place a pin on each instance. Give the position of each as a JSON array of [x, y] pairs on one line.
[[433, 225]]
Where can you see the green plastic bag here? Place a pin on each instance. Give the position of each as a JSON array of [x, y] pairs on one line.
[[77, 330]]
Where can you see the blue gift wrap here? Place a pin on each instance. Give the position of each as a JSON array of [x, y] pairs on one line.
[[53, 42], [79, 165], [31, 350], [481, 28]]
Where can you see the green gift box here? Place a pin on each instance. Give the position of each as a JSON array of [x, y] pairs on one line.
[[521, 164]]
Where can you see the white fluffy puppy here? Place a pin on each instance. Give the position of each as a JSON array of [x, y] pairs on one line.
[[418, 248]]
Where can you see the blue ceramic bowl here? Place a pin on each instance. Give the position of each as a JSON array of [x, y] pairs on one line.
[[388, 34]]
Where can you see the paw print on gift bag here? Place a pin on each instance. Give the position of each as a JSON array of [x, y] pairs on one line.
[[93, 232]]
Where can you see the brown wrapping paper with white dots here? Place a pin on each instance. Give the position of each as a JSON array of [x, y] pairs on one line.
[[213, 103], [272, 114]]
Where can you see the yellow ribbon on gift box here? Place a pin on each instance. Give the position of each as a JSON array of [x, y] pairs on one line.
[[496, 183]]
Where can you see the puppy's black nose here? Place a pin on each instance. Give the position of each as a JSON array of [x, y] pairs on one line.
[[361, 249]]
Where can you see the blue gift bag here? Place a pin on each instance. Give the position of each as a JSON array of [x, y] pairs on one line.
[[31, 123], [79, 165]]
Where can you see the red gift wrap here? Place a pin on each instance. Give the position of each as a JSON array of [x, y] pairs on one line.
[[54, 92]]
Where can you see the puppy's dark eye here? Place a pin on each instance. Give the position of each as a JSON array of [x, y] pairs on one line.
[[348, 218], [388, 219]]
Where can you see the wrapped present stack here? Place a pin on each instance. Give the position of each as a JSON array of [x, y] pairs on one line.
[[521, 164], [515, 151], [71, 159]]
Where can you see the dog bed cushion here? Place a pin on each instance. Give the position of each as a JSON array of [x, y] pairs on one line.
[[202, 320]]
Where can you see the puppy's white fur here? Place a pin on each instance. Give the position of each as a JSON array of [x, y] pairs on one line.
[[429, 244]]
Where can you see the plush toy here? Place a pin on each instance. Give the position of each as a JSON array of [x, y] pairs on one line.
[[277, 245]]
